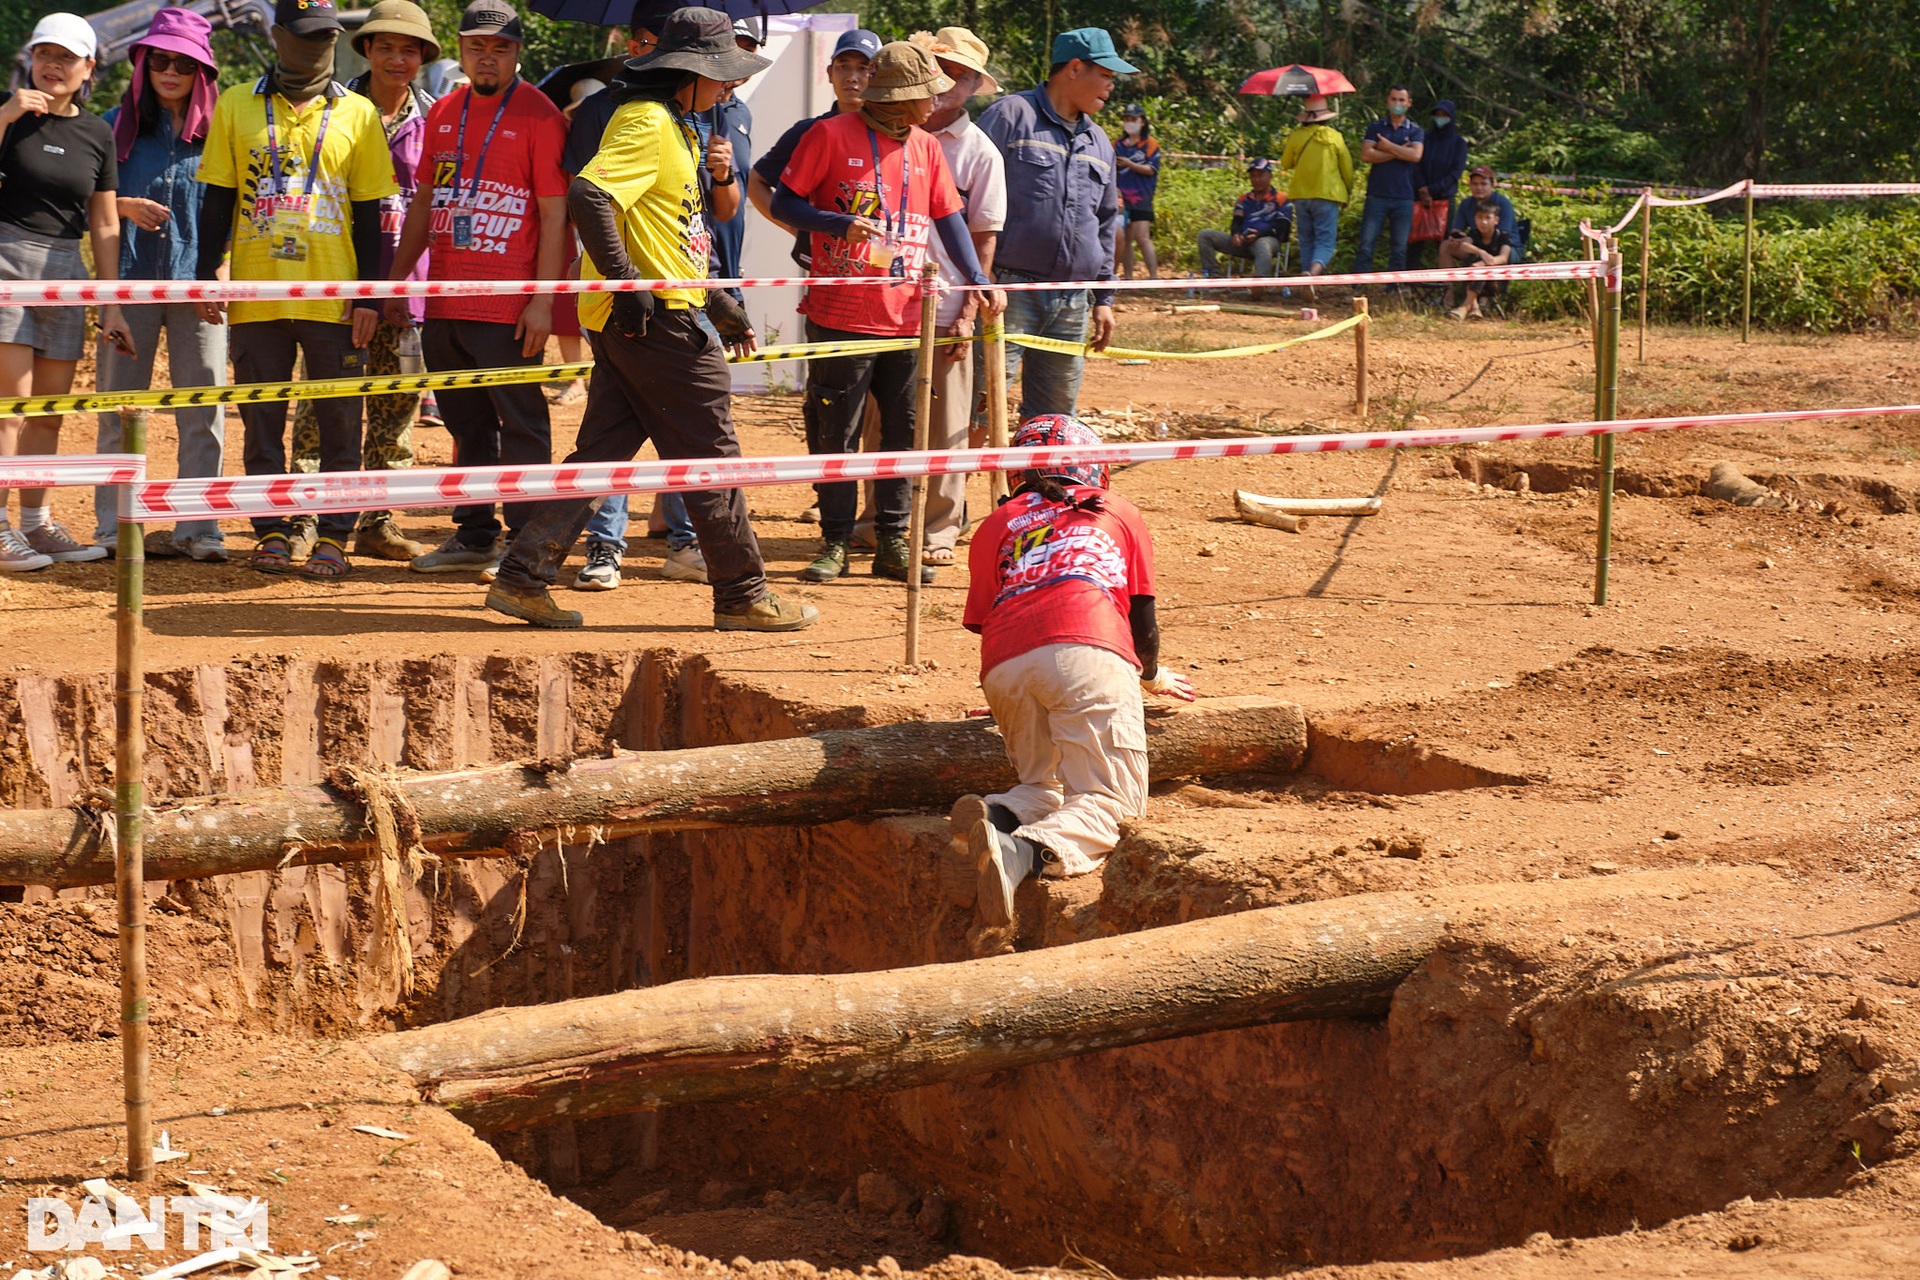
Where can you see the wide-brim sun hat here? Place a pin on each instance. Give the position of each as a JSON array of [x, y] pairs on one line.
[[961, 47], [398, 18], [904, 72], [180, 31], [700, 41]]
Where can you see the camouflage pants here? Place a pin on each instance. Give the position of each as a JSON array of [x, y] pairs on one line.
[[388, 441]]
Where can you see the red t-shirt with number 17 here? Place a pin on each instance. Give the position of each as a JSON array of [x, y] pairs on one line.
[[1042, 574], [833, 169], [521, 166]]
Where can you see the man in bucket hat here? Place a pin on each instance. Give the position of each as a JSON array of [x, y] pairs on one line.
[[872, 187], [659, 371]]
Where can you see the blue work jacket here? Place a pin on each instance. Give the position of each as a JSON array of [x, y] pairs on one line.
[[1063, 204]]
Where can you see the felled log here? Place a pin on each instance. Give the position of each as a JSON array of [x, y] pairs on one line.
[[738, 1039], [824, 777], [1315, 506], [1257, 510]]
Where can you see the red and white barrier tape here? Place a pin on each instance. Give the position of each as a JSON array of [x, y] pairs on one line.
[[63, 470], [79, 292], [159, 500]]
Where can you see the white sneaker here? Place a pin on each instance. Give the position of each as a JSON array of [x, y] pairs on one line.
[[685, 565], [16, 556], [52, 540], [206, 548], [602, 570]]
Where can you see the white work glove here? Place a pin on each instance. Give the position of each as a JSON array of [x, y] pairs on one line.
[[1168, 684]]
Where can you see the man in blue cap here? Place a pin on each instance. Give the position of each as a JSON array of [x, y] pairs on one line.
[[1063, 212]]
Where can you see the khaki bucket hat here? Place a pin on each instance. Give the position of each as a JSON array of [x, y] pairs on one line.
[[902, 72], [398, 18], [962, 48]]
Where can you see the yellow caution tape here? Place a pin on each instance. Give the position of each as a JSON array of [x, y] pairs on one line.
[[1225, 353], [396, 384]]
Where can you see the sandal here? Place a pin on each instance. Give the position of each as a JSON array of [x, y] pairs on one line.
[[272, 555], [937, 555], [328, 562]]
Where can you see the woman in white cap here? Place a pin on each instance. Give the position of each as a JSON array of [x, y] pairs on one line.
[[61, 174]]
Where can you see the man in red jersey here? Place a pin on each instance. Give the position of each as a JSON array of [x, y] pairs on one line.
[[1062, 598], [492, 201]]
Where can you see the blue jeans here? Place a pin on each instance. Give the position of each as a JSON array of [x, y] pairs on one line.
[[1317, 224], [1052, 381], [609, 523], [1397, 217]]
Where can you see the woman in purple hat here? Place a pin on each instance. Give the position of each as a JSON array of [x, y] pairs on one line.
[[158, 129]]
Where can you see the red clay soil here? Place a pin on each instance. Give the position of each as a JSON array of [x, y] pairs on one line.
[[1693, 1087]]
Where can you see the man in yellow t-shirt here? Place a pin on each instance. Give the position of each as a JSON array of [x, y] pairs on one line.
[[659, 372], [295, 168]]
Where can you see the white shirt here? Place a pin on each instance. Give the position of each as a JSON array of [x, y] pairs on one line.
[[980, 173]]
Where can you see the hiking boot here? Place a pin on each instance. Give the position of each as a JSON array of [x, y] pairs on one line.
[[531, 604], [1002, 861], [968, 810], [831, 563], [890, 561], [382, 540], [53, 541], [602, 570], [300, 540], [768, 613], [455, 556], [16, 556], [684, 565]]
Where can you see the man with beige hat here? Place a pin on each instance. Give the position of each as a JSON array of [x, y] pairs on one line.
[[980, 174], [872, 187]]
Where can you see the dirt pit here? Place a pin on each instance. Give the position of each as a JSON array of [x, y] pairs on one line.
[[1698, 1080]]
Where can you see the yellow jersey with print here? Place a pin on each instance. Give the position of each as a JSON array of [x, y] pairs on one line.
[[649, 162], [298, 226]]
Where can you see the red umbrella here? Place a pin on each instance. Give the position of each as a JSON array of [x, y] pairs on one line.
[[1296, 81]]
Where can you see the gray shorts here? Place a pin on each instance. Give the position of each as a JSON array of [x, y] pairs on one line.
[[55, 333]]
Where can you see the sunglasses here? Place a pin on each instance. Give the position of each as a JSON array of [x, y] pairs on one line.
[[177, 63]]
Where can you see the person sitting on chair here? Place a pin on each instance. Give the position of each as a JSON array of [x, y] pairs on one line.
[[1261, 224], [1452, 252]]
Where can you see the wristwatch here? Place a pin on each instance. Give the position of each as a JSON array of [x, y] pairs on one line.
[[727, 181]]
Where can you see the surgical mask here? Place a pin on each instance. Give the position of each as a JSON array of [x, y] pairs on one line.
[[1441, 122], [1396, 109], [1133, 127]]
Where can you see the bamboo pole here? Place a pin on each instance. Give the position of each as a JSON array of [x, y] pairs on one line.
[[996, 379], [1646, 281], [129, 803], [1360, 358], [1609, 405], [1746, 272], [922, 427]]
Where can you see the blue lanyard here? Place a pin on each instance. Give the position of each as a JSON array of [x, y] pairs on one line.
[[273, 149], [880, 188], [480, 164]]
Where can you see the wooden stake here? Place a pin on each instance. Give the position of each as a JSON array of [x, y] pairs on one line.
[[1746, 272], [1646, 281], [1609, 405], [129, 804], [997, 437], [922, 426], [1360, 358]]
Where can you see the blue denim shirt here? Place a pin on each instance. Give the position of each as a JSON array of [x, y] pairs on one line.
[[161, 169], [1063, 204]]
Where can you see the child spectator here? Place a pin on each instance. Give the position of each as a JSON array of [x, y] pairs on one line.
[[1486, 246]]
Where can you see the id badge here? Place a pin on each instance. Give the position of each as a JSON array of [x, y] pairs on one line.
[[462, 230], [289, 228], [882, 257]]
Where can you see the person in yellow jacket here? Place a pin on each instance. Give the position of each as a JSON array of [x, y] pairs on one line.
[[1322, 170]]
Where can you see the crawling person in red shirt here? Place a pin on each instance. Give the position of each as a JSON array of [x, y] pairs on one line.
[[1062, 598]]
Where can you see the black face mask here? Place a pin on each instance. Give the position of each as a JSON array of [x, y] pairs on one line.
[[305, 63]]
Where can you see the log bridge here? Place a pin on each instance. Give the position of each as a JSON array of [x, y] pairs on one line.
[[736, 1039], [823, 777]]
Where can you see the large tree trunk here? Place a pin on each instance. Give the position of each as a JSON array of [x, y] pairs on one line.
[[856, 773], [751, 1038]]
